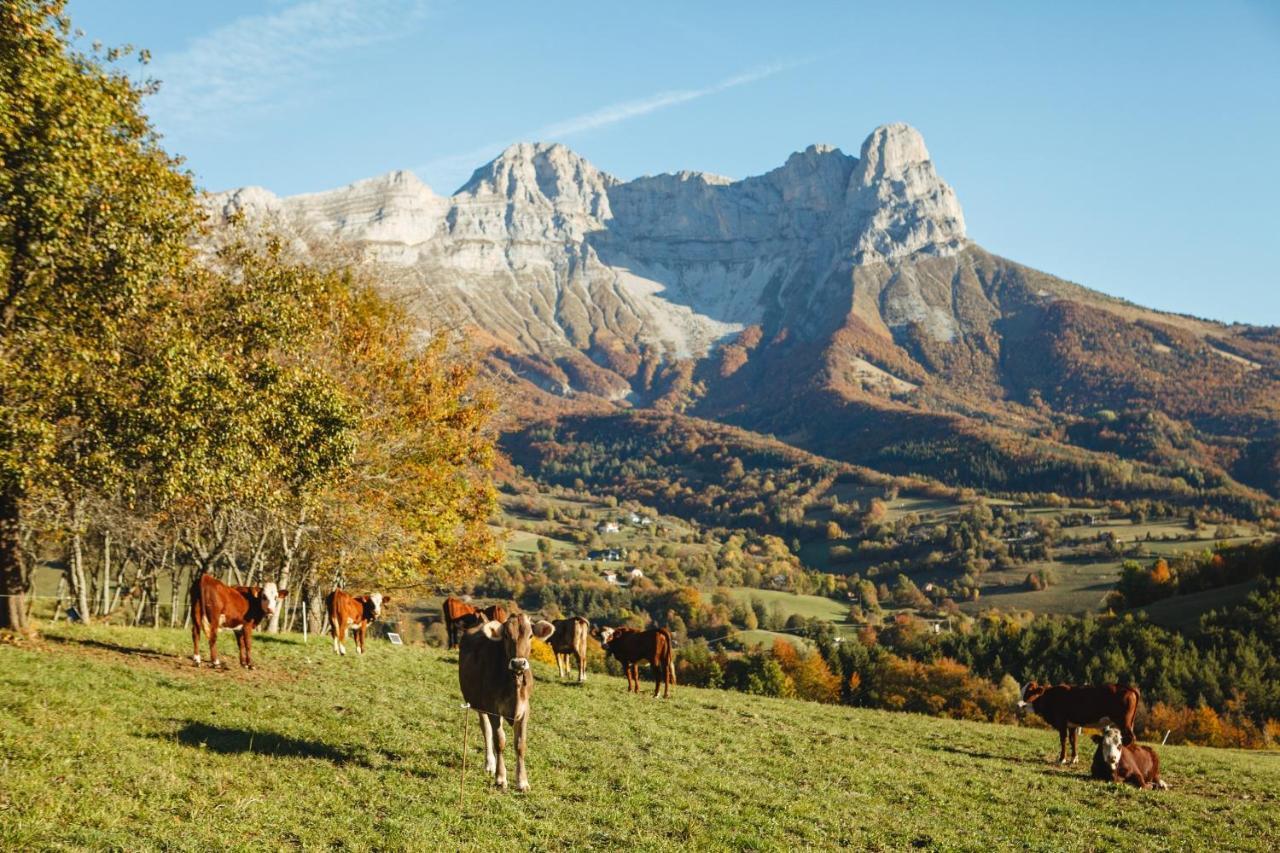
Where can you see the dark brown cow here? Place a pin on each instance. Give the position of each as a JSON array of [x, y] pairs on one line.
[[496, 681], [215, 605], [631, 647], [1133, 763], [354, 613], [570, 638], [455, 610], [1068, 707]]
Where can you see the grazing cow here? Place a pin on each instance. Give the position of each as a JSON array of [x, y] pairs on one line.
[[352, 612], [570, 638], [496, 681], [215, 605], [1068, 707], [631, 647], [1116, 761], [455, 610]]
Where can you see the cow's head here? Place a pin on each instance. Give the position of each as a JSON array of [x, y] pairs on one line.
[[270, 598], [374, 605], [516, 635], [1031, 691], [604, 634], [1111, 741]]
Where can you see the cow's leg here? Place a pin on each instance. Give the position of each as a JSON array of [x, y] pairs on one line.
[[246, 659], [213, 644], [451, 636], [1075, 733], [1062, 739], [333, 628], [521, 727], [486, 732], [359, 632], [195, 639], [659, 676], [499, 744], [582, 666]]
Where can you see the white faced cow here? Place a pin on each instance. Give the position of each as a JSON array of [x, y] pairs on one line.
[[493, 670], [215, 605], [352, 613]]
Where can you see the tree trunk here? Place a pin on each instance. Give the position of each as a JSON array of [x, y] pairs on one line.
[[79, 586], [13, 581], [106, 574]]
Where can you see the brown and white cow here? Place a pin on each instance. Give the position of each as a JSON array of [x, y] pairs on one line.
[[352, 613], [1132, 763], [570, 638], [456, 612], [215, 605], [631, 647], [496, 681], [1067, 707]]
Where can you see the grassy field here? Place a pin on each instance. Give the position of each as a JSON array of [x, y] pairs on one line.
[[110, 739], [808, 606]]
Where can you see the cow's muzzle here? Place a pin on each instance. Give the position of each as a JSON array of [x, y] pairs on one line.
[[519, 665]]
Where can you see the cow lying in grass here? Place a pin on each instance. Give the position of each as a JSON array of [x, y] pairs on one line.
[[496, 681], [215, 605], [1132, 763]]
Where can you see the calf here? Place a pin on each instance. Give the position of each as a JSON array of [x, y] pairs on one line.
[[455, 611], [352, 612], [1116, 761], [215, 605], [1068, 707], [496, 681], [631, 647], [570, 638]]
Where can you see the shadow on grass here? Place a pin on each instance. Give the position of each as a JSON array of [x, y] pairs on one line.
[[232, 741], [977, 753], [118, 648]]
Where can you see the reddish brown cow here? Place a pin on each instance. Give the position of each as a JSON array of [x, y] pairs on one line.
[[215, 605], [455, 610], [631, 647], [1068, 707], [570, 638], [354, 613], [1115, 761], [497, 681]]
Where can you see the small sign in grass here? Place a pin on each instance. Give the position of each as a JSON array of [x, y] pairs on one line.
[[394, 638]]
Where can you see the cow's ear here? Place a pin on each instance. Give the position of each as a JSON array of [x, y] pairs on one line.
[[284, 593], [543, 629], [386, 599], [493, 630], [1097, 738]]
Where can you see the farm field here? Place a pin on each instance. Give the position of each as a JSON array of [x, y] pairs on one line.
[[111, 738]]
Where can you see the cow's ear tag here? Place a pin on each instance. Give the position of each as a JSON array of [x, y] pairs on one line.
[[493, 630]]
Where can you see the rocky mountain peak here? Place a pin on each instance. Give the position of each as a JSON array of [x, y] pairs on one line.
[[896, 201], [541, 173]]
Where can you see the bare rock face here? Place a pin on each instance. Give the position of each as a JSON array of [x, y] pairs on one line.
[[551, 256]]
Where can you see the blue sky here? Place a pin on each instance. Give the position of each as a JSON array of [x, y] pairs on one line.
[[1134, 148]]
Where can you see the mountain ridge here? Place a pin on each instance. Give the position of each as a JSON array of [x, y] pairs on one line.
[[842, 289]]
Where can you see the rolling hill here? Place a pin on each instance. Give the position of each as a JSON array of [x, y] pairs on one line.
[[111, 739]]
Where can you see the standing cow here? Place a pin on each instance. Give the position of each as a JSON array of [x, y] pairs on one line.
[[215, 605], [1068, 707], [496, 681], [631, 647], [1132, 763], [458, 615], [352, 613], [570, 638]]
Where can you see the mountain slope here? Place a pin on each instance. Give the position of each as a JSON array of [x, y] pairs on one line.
[[834, 290], [302, 753]]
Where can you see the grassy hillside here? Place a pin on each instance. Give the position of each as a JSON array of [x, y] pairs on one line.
[[110, 739]]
